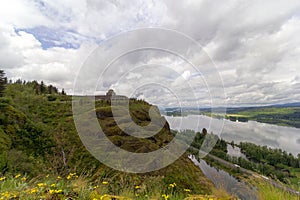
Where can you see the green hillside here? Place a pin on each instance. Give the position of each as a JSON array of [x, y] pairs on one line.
[[38, 139]]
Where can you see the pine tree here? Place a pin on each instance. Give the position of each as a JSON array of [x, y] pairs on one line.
[[3, 82], [63, 92], [42, 87], [50, 89]]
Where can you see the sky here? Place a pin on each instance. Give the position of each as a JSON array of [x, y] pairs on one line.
[[249, 55]]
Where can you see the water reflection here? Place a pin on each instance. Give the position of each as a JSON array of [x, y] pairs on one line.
[[259, 133], [235, 151], [224, 180]]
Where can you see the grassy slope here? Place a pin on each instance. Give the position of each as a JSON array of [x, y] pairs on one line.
[[38, 137]]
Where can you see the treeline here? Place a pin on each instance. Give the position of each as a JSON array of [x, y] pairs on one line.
[[205, 140], [274, 157], [39, 88], [274, 163], [290, 119]]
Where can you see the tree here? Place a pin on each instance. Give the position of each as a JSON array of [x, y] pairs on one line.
[[3, 82], [42, 88], [50, 89], [204, 131], [63, 92]]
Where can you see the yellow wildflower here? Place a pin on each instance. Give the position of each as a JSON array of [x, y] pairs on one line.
[[18, 175], [137, 187], [58, 177], [33, 190], [187, 190], [23, 179], [55, 191], [71, 175], [165, 196], [2, 178], [103, 196], [96, 186], [41, 184], [104, 182]]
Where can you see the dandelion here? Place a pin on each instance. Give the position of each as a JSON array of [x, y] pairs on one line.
[[104, 182], [6, 195], [58, 177], [33, 191], [137, 187], [2, 178], [41, 184], [23, 179], [55, 191], [165, 196], [71, 175], [103, 196], [172, 185], [53, 185], [187, 190], [96, 186], [47, 176], [17, 176]]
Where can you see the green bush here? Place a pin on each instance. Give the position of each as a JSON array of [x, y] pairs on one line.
[[51, 98]]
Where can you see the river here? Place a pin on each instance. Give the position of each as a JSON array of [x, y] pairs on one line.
[[224, 180], [274, 136]]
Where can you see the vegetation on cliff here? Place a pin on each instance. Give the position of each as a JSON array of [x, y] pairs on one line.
[[38, 139]]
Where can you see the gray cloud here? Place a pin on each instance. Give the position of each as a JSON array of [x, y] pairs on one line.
[[255, 45]]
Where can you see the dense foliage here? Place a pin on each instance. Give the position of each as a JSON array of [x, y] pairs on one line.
[[271, 162]]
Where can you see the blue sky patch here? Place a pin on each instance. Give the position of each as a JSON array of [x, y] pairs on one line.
[[54, 37]]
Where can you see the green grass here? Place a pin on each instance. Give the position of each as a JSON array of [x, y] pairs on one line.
[[269, 192], [80, 187]]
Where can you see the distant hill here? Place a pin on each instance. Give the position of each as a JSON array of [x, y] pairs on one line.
[[296, 104], [280, 114]]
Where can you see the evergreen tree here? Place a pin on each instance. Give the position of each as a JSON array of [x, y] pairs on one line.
[[42, 87], [63, 92], [50, 89], [3, 82]]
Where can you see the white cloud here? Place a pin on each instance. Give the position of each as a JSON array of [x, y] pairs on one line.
[[254, 44]]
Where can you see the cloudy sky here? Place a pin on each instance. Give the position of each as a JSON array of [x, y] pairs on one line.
[[250, 50]]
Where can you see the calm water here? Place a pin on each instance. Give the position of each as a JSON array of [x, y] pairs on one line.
[[224, 180], [286, 138], [235, 151]]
